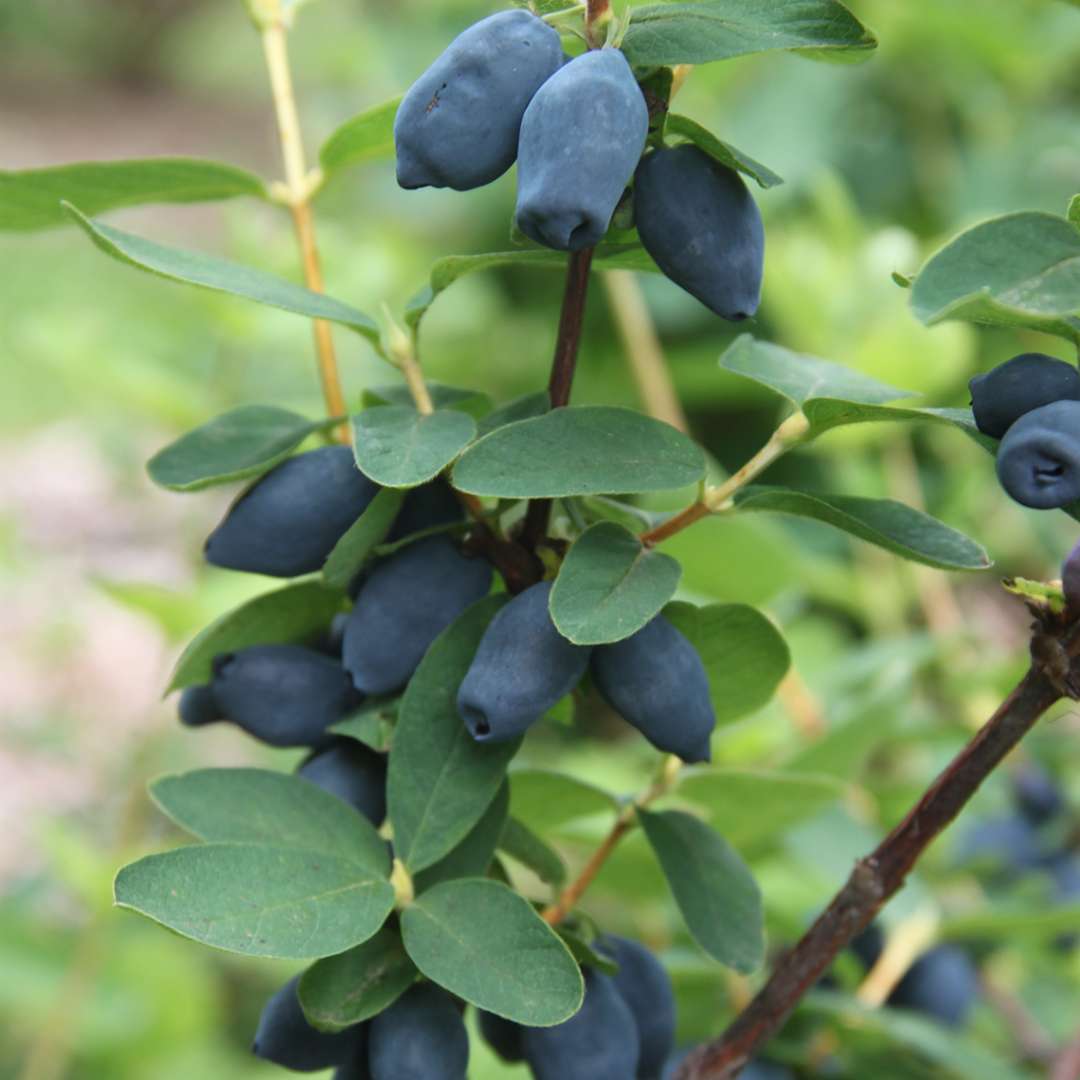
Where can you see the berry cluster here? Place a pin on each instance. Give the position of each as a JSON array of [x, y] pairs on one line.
[[505, 91], [1032, 404], [624, 1029], [290, 695]]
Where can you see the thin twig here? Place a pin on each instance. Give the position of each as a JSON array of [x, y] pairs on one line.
[[1067, 1065], [641, 343], [563, 366], [719, 499], [1031, 1038], [298, 187], [875, 879], [570, 897]]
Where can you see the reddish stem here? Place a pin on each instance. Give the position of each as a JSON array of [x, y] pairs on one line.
[[563, 366]]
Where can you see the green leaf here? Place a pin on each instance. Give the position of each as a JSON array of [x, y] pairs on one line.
[[361, 539], [751, 808], [1019, 270], [474, 402], [522, 844], [898, 1033], [1073, 213], [241, 443], [831, 395], [372, 724], [259, 899], [716, 893], [698, 33], [802, 378], [343, 990], [522, 408], [446, 271], [580, 450], [744, 654], [262, 807], [1034, 923], [398, 447], [441, 780], [220, 275], [472, 857], [687, 130], [610, 586], [543, 800], [31, 198], [368, 136], [906, 532], [486, 944], [293, 614]]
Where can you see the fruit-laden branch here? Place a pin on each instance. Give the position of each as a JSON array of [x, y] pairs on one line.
[[297, 194], [563, 366], [878, 876]]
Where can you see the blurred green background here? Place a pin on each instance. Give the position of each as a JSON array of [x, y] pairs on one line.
[[965, 111]]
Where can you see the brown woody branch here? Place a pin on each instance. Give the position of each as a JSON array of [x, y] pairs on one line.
[[563, 366], [878, 876]]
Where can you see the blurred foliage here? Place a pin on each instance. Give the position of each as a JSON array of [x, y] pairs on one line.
[[959, 116]]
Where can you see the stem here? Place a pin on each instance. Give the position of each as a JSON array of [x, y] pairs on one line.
[[718, 499], [297, 186], [643, 349], [563, 366], [572, 894], [596, 11], [875, 879], [1067, 1066]]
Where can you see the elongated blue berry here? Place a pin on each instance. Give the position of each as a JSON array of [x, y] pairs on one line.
[[353, 773], [521, 669], [656, 681], [420, 1037], [289, 521], [285, 695], [286, 1038], [581, 138], [458, 125], [1038, 462], [402, 608], [599, 1042], [699, 222], [1001, 396]]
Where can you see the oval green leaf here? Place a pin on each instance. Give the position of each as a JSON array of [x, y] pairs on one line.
[[368, 136], [581, 450], [1017, 270], [744, 654], [687, 130], [610, 586], [259, 899], [544, 799], [486, 944], [802, 378], [259, 806], [31, 198], [292, 614], [751, 808], [698, 33], [361, 539], [441, 780], [398, 447], [220, 275], [891, 525], [472, 857], [241, 443], [523, 845], [716, 893], [340, 991]]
